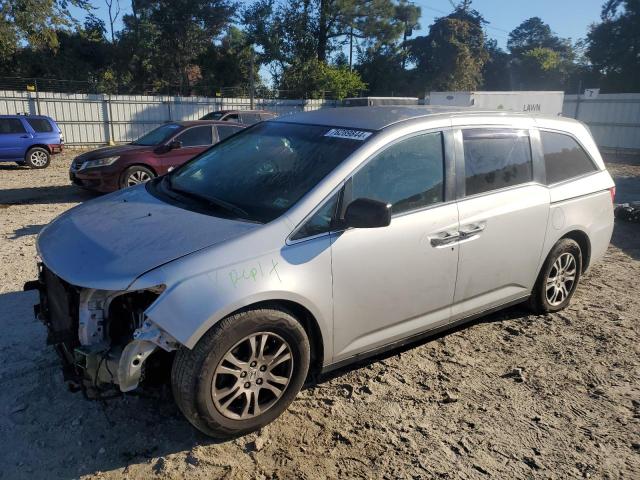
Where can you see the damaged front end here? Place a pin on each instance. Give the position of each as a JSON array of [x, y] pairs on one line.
[[103, 338]]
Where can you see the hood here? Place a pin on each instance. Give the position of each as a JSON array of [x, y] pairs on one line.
[[112, 152], [108, 242]]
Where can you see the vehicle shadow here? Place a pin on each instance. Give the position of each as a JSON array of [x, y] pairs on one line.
[[626, 236], [45, 195], [512, 313], [26, 231]]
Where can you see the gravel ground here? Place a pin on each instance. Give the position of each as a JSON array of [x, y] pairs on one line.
[[510, 396]]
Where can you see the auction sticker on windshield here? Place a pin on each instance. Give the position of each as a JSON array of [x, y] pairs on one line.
[[350, 134]]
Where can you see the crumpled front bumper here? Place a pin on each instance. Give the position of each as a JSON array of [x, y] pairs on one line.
[[90, 362]]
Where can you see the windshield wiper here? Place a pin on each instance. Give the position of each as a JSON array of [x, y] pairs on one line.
[[212, 201]]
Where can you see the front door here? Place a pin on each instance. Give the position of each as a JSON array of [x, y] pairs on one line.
[[194, 140], [503, 219], [392, 282]]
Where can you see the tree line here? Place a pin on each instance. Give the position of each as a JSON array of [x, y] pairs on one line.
[[310, 48]]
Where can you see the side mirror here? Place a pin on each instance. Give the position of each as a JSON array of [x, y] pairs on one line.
[[175, 144], [367, 213]]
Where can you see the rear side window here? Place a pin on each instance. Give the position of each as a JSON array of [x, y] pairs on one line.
[[564, 158], [408, 175], [225, 131], [40, 125], [196, 137], [232, 117], [11, 125], [495, 159]]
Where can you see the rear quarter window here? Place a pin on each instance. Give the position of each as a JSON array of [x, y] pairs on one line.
[[40, 125], [564, 158]]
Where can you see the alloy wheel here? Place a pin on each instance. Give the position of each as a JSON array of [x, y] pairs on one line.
[[139, 176], [561, 279], [252, 376], [38, 158]]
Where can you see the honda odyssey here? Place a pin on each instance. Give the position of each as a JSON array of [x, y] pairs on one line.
[[305, 243]]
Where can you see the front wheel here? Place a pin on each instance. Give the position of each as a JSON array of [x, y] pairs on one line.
[[135, 175], [243, 373], [37, 157], [558, 278]]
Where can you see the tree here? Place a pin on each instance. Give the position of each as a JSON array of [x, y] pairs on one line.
[[228, 63], [35, 22], [315, 79], [540, 59], [534, 33], [163, 39], [614, 46], [453, 54], [113, 8], [290, 31], [496, 73]]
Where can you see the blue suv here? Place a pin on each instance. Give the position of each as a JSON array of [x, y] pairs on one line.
[[29, 140]]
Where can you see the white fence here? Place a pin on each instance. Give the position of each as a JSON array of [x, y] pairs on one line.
[[614, 119], [87, 119]]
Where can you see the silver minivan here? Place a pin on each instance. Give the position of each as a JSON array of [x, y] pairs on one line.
[[312, 241]]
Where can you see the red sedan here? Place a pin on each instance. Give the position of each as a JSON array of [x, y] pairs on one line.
[[168, 146]]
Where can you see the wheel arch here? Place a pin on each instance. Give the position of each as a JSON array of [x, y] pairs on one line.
[[582, 239], [303, 315], [36, 145]]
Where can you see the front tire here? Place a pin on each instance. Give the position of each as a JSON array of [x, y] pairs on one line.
[[135, 175], [242, 374], [37, 157], [558, 279]]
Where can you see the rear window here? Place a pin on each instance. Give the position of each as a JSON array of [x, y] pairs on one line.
[[40, 125], [495, 159], [11, 125], [564, 158]]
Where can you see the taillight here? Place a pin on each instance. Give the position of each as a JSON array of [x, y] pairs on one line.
[[612, 191]]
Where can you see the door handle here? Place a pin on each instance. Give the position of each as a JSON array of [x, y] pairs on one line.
[[472, 229], [444, 238]]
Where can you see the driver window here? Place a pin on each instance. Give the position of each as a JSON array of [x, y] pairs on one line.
[[409, 174]]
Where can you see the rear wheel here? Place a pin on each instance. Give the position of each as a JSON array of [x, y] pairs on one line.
[[135, 175], [558, 279], [37, 157], [243, 373]]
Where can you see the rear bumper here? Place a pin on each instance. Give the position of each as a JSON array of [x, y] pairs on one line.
[[56, 148]]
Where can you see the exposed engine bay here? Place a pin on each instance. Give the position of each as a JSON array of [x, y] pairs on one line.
[[106, 343]]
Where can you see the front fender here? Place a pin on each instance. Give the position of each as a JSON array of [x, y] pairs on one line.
[[189, 307]]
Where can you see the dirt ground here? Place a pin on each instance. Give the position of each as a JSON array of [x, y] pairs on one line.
[[510, 396]]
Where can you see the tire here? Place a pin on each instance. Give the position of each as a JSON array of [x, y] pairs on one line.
[[208, 406], [37, 157], [565, 256], [135, 175]]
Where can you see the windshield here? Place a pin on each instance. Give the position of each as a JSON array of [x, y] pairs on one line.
[[213, 116], [265, 170], [158, 135]]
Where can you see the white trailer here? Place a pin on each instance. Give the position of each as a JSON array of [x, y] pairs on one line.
[[548, 103]]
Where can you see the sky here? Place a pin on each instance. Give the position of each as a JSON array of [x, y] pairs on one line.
[[567, 18]]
